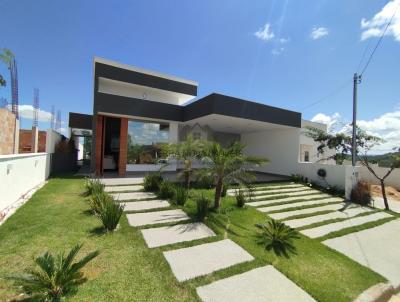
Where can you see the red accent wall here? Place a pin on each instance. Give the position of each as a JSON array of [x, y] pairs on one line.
[[123, 147]]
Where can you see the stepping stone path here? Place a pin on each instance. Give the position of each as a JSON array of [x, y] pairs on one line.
[[145, 205], [133, 195], [203, 259], [300, 204], [337, 226], [288, 214], [141, 219], [258, 285], [377, 248], [350, 212], [124, 188], [288, 199], [156, 237], [297, 193]]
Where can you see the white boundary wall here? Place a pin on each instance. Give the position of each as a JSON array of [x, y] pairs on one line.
[[19, 173], [393, 179], [52, 139]]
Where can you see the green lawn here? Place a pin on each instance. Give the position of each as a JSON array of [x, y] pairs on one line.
[[56, 218]]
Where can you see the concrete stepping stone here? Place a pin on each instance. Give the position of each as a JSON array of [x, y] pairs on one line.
[[346, 213], [161, 236], [337, 226], [288, 214], [271, 187], [145, 205], [270, 192], [141, 219], [287, 199], [117, 181], [258, 285], [133, 195], [306, 193], [200, 260], [124, 188], [299, 204], [377, 248]]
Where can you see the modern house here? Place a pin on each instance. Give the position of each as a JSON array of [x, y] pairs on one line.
[[136, 110]]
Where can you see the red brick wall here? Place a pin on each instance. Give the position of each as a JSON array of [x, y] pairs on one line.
[[123, 147], [7, 125], [25, 141]]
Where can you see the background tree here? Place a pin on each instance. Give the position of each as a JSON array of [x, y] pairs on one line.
[[342, 143], [228, 164], [395, 163], [6, 56], [186, 151]]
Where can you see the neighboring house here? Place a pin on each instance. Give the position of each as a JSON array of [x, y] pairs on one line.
[[135, 111]]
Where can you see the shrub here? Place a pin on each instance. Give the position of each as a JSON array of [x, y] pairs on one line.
[[240, 198], [97, 201], [93, 186], [205, 182], [202, 207], [152, 182], [296, 178], [110, 214], [180, 196], [55, 277], [277, 236], [166, 190], [361, 193], [250, 191]]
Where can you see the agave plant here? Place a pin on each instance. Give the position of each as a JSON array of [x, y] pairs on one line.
[[277, 236], [55, 277], [110, 214]]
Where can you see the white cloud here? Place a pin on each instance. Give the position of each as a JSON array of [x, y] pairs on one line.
[[265, 33], [26, 112], [319, 32], [386, 126], [333, 121], [284, 40], [277, 51], [377, 24]]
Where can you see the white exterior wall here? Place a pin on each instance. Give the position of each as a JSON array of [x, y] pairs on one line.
[[392, 180], [52, 139], [279, 146], [19, 173], [173, 132]]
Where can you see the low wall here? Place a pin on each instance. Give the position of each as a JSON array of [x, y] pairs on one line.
[[392, 180], [19, 173], [52, 139]]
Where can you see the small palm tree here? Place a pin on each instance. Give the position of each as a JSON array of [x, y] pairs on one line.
[[228, 164], [277, 236], [56, 276], [186, 151]]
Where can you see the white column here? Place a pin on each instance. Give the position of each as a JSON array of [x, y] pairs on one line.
[[173, 132]]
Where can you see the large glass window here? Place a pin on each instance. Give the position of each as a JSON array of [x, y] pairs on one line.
[[145, 140]]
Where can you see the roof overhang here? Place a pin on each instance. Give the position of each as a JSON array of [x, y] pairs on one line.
[[80, 121]]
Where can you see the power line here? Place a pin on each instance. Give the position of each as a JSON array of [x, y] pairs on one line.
[[329, 95], [379, 41]]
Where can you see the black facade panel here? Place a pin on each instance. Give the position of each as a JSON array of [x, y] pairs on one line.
[[130, 106], [80, 121], [133, 77]]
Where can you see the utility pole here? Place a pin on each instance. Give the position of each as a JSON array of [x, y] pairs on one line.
[[356, 81]]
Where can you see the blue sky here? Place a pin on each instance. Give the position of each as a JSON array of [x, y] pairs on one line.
[[283, 53]]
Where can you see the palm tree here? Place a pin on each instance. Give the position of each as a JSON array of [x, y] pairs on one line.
[[228, 164], [186, 151], [56, 276]]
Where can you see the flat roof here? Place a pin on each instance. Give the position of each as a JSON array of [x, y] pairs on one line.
[[144, 71]]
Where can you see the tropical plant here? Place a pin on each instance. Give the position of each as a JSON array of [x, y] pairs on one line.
[[110, 214], [166, 190], [240, 198], [202, 207], [151, 182], [180, 196], [277, 236], [6, 57], [93, 186], [225, 187], [361, 193], [55, 277], [228, 165], [96, 201], [204, 181], [186, 151]]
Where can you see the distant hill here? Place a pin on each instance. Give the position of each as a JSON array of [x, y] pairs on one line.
[[383, 160]]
